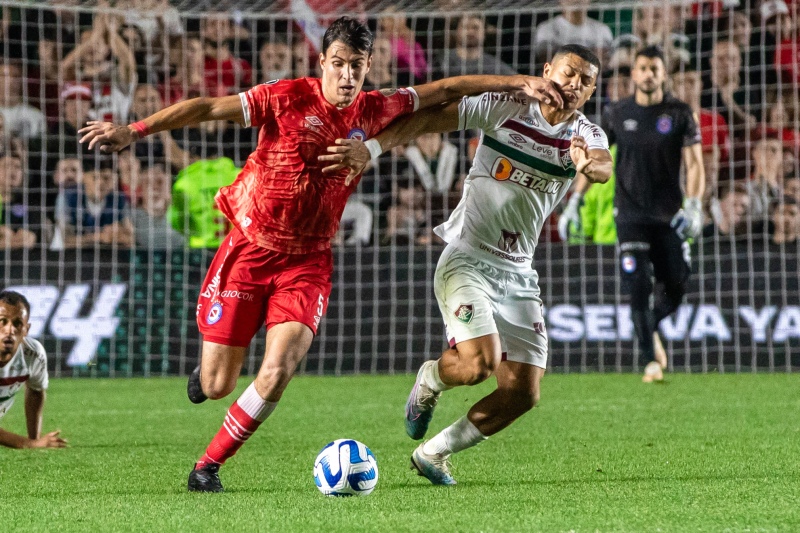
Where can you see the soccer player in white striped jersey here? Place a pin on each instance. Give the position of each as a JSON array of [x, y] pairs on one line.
[[485, 283], [22, 360]]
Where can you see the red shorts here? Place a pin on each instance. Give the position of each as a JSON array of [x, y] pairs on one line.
[[247, 285]]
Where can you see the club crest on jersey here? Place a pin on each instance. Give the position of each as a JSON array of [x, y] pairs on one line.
[[464, 313], [357, 134], [664, 124], [508, 241], [628, 263], [539, 328], [214, 314], [565, 158]]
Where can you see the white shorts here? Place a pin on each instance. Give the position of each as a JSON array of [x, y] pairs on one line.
[[476, 299]]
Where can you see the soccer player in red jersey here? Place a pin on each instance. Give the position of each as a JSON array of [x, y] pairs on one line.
[[275, 266]]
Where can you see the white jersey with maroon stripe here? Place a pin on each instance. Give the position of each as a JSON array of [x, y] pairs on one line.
[[29, 365], [521, 171]]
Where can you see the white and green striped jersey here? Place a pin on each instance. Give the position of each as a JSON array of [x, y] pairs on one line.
[[521, 171], [29, 365]]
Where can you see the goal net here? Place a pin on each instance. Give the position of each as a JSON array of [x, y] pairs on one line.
[[112, 252]]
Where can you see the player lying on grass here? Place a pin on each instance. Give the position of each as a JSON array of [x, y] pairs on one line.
[[22, 360], [275, 266], [485, 282]]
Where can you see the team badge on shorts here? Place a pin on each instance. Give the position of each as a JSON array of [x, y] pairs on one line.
[[464, 313], [664, 124], [628, 263], [539, 328], [357, 134], [214, 314]]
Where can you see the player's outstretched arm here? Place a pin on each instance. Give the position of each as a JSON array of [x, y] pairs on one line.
[[49, 440], [354, 155], [34, 408], [448, 90], [114, 137]]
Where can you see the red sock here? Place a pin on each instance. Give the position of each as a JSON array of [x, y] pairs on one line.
[[241, 421]]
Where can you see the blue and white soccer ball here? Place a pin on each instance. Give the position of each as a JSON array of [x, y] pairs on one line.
[[345, 467]]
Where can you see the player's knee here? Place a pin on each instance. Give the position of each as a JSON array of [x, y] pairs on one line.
[[218, 386], [481, 369], [525, 400], [273, 381]]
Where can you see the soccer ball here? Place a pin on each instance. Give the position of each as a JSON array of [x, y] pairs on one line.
[[345, 467]]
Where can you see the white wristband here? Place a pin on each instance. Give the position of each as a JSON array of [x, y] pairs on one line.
[[374, 148]]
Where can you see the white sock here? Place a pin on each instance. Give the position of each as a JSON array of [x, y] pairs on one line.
[[430, 377], [254, 405], [462, 434]]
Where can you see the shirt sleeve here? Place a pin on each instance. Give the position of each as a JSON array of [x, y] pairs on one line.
[[474, 111], [388, 104], [39, 379], [256, 105], [691, 133], [596, 138]]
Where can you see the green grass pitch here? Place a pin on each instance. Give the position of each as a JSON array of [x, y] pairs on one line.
[[600, 453]]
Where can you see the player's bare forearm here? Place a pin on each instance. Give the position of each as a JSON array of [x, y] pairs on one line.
[[114, 137], [449, 90], [12, 440], [581, 184], [406, 129], [34, 407], [695, 172]]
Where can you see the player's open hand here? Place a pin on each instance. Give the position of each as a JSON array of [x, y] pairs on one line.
[[348, 153], [50, 440], [109, 136], [541, 89], [579, 152]]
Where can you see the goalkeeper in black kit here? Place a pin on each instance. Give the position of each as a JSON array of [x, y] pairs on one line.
[[654, 132]]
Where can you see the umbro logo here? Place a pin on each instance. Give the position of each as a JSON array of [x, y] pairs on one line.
[[314, 120], [630, 125], [517, 138]]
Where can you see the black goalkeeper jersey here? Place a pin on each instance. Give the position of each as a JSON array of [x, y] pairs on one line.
[[650, 142]]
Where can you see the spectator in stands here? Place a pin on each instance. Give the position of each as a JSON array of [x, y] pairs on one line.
[[791, 187], [194, 212], [76, 100], [20, 118], [210, 140], [623, 51], [151, 24], [466, 56], [95, 212], [356, 224], [10, 144], [105, 62], [275, 60], [21, 226], [301, 59], [572, 26], [129, 168], [381, 72], [187, 70], [687, 86], [617, 83], [783, 115], [785, 218], [434, 161], [732, 212], [406, 219], [59, 34], [787, 55], [151, 224], [67, 174], [767, 176], [724, 92], [160, 148], [224, 73], [408, 56], [657, 23]]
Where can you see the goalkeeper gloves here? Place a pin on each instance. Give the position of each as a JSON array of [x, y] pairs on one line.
[[687, 222], [570, 216]]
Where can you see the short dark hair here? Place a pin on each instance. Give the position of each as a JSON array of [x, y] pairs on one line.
[[93, 161], [580, 51], [652, 52], [15, 299], [350, 32]]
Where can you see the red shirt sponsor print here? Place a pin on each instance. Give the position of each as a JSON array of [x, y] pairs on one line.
[[281, 200]]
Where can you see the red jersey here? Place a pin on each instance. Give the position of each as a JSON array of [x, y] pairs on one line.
[[281, 200], [714, 131]]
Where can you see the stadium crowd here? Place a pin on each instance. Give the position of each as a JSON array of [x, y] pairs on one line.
[[736, 63]]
